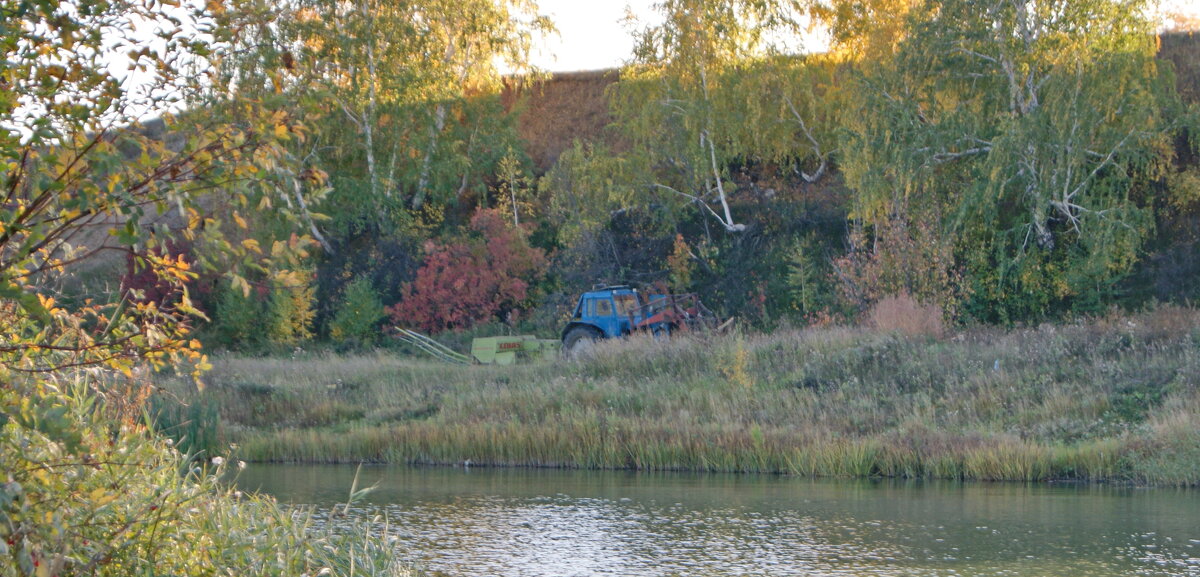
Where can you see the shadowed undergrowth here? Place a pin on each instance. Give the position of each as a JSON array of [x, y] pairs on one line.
[[1113, 399]]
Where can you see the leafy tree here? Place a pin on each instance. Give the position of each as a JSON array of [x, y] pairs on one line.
[[681, 264], [672, 101], [82, 177], [864, 31], [290, 311], [394, 79], [85, 184], [388, 261], [472, 37], [239, 317], [586, 186], [809, 280], [783, 111], [143, 284], [485, 274], [404, 100], [514, 189], [1027, 132], [902, 257]]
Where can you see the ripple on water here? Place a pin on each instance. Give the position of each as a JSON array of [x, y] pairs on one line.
[[722, 526]]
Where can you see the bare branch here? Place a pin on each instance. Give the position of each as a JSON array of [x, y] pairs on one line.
[[350, 115], [979, 55], [942, 157], [816, 145], [702, 203], [728, 220], [1109, 160]]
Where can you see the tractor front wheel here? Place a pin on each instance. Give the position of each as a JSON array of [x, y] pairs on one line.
[[579, 340]]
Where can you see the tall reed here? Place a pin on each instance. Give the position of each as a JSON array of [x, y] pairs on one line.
[[1113, 398]]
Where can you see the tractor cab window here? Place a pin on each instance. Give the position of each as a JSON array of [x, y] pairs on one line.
[[602, 308], [626, 304]]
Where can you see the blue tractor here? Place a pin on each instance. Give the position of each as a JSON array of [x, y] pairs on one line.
[[608, 312]]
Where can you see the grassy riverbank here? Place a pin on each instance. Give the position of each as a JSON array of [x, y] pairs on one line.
[[1105, 400]]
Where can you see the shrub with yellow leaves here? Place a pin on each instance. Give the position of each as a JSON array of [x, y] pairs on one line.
[[83, 494]]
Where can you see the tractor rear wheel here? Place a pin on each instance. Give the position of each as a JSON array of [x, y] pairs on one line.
[[579, 340]]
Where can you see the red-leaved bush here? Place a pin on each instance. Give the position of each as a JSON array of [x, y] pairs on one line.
[[485, 273]]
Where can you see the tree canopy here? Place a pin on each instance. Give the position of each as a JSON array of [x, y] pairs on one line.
[[1028, 132]]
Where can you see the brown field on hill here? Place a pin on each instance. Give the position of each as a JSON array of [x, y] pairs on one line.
[[566, 107], [1182, 49]]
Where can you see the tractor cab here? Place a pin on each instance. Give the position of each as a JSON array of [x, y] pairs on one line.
[[609, 310]]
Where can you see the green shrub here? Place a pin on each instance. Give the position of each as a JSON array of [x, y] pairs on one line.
[[194, 426], [239, 317], [359, 313], [807, 278]]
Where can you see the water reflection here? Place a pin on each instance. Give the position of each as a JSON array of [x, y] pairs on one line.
[[538, 523]]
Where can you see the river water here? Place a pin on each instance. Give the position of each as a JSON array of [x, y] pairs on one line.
[[549, 523]]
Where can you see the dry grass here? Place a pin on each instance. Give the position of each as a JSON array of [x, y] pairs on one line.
[[903, 314], [562, 109], [1102, 400]]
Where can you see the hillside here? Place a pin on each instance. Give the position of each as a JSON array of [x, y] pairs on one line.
[[574, 105], [565, 107], [794, 224], [1183, 51]]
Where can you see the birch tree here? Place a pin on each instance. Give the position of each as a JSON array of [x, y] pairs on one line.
[[477, 41], [864, 31], [669, 100], [395, 75], [1028, 130], [354, 64], [784, 110]]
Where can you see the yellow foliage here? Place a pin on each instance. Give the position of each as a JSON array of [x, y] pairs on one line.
[[1184, 187], [681, 265], [866, 30], [736, 368]]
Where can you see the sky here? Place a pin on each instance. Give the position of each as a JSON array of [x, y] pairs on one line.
[[592, 35]]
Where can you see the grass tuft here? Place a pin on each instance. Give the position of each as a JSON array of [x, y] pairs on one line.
[[1112, 399]]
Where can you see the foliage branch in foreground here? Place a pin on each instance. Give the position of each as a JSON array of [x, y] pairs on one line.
[[90, 491], [86, 180]]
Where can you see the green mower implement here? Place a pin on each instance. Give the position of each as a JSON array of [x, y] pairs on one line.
[[509, 350], [486, 350]]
